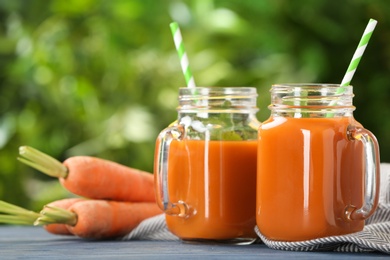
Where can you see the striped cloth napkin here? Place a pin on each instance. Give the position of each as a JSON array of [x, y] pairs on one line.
[[374, 237]]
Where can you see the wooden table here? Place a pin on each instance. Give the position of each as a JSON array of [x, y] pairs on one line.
[[20, 242]]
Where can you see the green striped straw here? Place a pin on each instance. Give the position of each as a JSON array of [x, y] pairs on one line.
[[355, 59], [182, 54], [358, 53]]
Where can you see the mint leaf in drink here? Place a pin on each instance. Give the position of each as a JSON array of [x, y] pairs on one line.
[[231, 136], [220, 124]]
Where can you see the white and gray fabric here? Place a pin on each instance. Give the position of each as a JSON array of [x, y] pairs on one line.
[[154, 228], [374, 237]]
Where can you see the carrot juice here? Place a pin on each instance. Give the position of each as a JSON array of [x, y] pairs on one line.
[[217, 180], [308, 173]]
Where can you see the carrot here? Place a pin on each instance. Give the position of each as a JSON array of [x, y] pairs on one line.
[[100, 219], [61, 229], [93, 177]]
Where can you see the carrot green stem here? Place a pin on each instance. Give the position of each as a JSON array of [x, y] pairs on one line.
[[16, 220], [51, 214], [42, 162], [16, 215], [11, 209]]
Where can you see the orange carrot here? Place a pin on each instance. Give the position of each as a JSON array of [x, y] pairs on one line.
[[101, 219], [93, 177], [61, 229]]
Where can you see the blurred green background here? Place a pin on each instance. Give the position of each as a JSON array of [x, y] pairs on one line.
[[100, 77]]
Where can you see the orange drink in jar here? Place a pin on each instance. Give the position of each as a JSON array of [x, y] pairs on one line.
[[318, 168], [205, 166]]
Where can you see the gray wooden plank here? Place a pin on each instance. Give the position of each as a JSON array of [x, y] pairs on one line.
[[35, 243]]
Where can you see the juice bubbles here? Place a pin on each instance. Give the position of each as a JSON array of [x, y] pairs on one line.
[[316, 176], [205, 166], [218, 184]]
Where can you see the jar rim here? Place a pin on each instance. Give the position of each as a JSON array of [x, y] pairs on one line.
[[307, 89], [217, 93], [317, 99], [219, 87], [218, 99], [310, 85], [215, 90]]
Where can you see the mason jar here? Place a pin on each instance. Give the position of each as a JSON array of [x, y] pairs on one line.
[[205, 166], [318, 167]]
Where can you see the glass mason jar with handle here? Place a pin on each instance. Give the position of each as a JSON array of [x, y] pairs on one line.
[[205, 166], [318, 168]]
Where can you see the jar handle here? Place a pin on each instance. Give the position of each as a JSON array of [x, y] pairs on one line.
[[371, 173], [161, 169]]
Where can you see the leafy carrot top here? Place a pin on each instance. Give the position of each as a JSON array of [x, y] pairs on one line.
[[42, 162]]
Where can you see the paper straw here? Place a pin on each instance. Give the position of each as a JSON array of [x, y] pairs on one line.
[[182, 54], [355, 59], [359, 52]]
